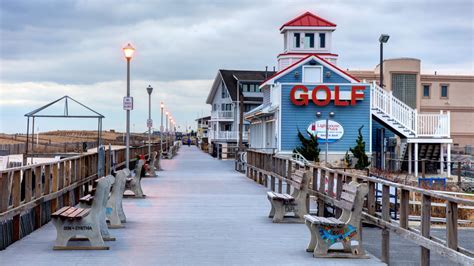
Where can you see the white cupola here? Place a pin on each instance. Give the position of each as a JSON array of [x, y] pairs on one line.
[[306, 35]]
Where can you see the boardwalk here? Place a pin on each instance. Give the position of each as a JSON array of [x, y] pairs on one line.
[[198, 212]]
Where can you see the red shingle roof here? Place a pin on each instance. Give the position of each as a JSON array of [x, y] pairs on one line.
[[308, 19]]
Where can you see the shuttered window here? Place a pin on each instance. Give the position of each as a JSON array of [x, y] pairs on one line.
[[404, 88]]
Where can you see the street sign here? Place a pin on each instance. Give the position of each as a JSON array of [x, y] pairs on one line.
[[149, 123], [127, 103]]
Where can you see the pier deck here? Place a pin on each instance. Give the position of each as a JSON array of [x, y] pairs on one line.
[[199, 211]]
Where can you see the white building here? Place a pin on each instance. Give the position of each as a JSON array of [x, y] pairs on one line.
[[228, 89]]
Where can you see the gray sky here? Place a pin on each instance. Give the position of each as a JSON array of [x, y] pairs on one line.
[[52, 48]]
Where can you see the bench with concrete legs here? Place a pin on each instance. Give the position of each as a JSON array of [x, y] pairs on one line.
[[72, 223], [133, 182], [295, 203], [346, 229], [115, 213], [151, 171]]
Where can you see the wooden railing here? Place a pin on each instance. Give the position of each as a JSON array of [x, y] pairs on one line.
[[273, 170], [29, 194]]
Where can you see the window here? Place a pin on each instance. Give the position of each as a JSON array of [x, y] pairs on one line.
[[309, 40], [404, 88], [312, 74], [228, 127], [426, 91], [322, 40], [444, 91], [226, 107], [224, 93], [296, 40]]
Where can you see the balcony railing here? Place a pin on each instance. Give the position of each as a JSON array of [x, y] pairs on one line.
[[227, 135], [224, 115]]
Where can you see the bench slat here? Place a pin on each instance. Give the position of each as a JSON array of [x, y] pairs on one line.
[[58, 212], [83, 213], [75, 213], [343, 204]]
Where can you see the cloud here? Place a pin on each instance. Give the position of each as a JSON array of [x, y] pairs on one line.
[[74, 47]]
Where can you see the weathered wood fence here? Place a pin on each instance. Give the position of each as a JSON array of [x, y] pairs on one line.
[[30, 194], [273, 171]]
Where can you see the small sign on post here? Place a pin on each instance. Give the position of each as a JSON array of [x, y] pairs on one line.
[[149, 123], [127, 103]]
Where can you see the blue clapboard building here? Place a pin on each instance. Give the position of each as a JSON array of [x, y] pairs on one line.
[[309, 93]]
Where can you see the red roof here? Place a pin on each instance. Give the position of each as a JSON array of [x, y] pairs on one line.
[[308, 19]]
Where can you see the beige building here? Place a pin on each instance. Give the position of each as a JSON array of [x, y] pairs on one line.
[[430, 93]]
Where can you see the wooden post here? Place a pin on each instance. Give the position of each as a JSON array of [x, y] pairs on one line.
[[425, 228], [331, 184], [288, 176], [386, 217], [452, 225], [404, 208], [322, 179], [281, 173], [371, 198]]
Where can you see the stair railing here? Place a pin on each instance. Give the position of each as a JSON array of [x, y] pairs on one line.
[[397, 110]]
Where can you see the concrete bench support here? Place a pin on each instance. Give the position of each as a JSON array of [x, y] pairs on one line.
[[346, 229], [71, 222], [115, 212], [133, 183]]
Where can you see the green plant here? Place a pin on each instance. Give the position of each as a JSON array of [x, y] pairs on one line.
[[359, 152], [309, 148]]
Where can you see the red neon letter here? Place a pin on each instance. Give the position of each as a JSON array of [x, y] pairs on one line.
[[325, 101], [303, 97], [337, 102], [355, 95]]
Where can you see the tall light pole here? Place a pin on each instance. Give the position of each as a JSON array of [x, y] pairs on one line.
[[382, 39], [161, 130], [331, 114], [167, 113], [128, 52], [149, 89]]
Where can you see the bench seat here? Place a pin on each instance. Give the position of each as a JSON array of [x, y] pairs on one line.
[[331, 221], [280, 196], [71, 213]]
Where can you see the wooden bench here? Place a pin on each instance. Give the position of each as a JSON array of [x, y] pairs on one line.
[[345, 229], [114, 212], [133, 182], [71, 222], [296, 202]]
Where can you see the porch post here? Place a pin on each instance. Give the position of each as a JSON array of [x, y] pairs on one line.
[[416, 160], [448, 153], [441, 159], [409, 158]]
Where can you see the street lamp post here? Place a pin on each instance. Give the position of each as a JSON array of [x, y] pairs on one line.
[[128, 52], [167, 113], [382, 39], [331, 114], [149, 89], [161, 131]]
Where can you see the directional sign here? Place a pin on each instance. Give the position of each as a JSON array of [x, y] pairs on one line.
[[127, 103], [149, 123]]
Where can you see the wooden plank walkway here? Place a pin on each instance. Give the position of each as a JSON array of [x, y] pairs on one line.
[[199, 211]]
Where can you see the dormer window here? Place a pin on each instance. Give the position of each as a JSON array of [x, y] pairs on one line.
[[309, 40], [296, 40], [322, 40]]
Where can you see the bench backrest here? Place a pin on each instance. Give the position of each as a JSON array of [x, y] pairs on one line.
[[119, 184], [102, 193], [299, 178], [352, 201], [139, 167]]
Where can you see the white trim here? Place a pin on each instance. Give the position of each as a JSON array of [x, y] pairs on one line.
[[328, 84], [279, 117], [370, 120], [307, 28], [311, 66], [429, 140], [309, 58]]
